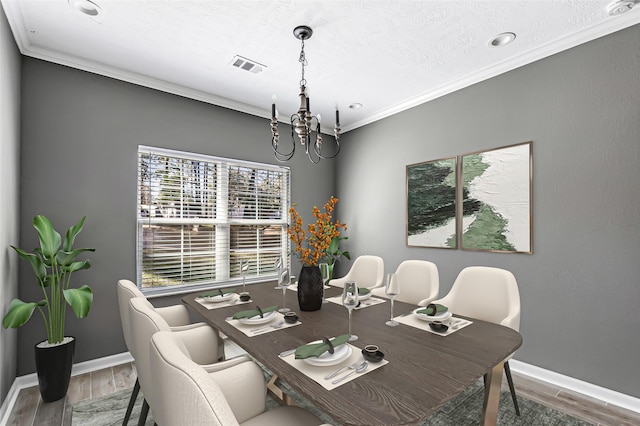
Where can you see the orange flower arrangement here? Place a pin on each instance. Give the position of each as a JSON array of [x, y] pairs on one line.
[[322, 231]]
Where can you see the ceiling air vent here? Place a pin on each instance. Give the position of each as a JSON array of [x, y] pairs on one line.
[[247, 64]]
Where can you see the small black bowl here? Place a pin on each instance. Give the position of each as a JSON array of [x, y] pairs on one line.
[[291, 317], [244, 297], [438, 326], [376, 356]]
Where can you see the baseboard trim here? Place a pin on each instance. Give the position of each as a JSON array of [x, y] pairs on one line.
[[594, 391], [82, 367], [9, 402]]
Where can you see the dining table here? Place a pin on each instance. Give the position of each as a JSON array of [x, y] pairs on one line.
[[423, 371]]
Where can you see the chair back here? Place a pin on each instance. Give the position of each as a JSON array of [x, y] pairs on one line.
[[126, 291], [419, 282], [145, 322], [486, 293], [185, 393], [367, 271]]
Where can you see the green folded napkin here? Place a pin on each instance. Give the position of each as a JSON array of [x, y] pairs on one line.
[[218, 292], [253, 312], [363, 291], [317, 349], [433, 309]]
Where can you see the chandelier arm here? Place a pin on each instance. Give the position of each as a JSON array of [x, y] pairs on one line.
[[327, 157], [275, 139]]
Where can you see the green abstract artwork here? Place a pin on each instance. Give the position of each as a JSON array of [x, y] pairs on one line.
[[431, 204], [496, 200]]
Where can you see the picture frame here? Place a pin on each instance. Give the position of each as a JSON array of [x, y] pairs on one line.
[[432, 204], [496, 193]]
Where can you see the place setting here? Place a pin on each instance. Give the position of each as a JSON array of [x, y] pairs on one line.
[[334, 362], [434, 318], [258, 321], [220, 298], [365, 299]]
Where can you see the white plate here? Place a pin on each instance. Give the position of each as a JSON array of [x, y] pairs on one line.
[[340, 353], [440, 317], [217, 298], [257, 320]]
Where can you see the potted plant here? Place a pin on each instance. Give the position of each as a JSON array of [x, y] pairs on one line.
[[53, 264]]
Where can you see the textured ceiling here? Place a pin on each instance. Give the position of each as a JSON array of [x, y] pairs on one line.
[[387, 55]]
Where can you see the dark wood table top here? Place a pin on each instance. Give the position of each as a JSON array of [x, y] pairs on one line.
[[425, 370]]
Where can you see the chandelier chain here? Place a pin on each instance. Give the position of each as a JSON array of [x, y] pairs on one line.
[[303, 61]]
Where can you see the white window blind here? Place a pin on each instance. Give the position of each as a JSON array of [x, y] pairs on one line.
[[199, 216]]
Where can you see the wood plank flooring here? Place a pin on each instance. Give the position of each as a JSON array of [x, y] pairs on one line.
[[29, 409]]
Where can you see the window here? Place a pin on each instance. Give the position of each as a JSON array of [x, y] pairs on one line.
[[200, 216]]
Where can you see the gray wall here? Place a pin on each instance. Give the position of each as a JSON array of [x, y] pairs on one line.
[[9, 173], [79, 142], [580, 289]]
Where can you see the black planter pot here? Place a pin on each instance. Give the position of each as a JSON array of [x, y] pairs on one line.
[[53, 366], [310, 288]]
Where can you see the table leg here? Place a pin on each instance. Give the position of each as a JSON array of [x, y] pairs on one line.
[[492, 396], [277, 392]]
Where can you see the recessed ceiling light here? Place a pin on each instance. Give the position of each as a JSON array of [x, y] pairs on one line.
[[355, 105], [502, 39], [87, 7], [619, 7]]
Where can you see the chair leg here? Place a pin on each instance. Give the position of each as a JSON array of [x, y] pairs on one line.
[[132, 402], [143, 413], [507, 371]]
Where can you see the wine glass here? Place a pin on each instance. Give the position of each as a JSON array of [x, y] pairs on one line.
[[350, 301], [324, 270], [278, 266], [244, 268], [392, 289], [283, 282]]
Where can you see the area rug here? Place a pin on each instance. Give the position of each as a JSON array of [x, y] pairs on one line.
[[464, 410]]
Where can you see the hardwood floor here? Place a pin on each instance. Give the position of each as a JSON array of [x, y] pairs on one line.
[[29, 409]]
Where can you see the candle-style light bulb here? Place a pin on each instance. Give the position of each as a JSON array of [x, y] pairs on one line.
[[318, 116], [274, 112]]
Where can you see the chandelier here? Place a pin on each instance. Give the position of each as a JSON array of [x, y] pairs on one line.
[[304, 126]]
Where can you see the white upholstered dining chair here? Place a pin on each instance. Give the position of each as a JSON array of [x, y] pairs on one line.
[[367, 271], [488, 294], [195, 395], [419, 282], [200, 341], [175, 316]]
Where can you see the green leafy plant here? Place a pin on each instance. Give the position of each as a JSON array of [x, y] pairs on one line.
[[334, 254], [53, 264]]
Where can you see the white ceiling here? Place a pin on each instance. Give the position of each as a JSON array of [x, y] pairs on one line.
[[387, 55]]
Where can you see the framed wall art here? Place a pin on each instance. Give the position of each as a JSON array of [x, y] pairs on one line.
[[431, 204], [496, 194]]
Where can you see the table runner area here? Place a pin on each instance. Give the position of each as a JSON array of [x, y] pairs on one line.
[[413, 321], [371, 301], [247, 329], [317, 373]]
